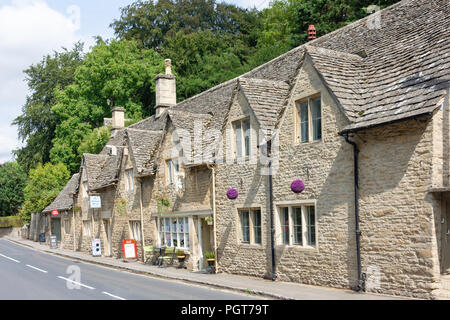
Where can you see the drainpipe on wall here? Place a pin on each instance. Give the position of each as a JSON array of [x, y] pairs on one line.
[[213, 174], [361, 277], [272, 229], [142, 220]]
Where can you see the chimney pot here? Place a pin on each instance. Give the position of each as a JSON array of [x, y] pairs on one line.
[[311, 32], [168, 63]]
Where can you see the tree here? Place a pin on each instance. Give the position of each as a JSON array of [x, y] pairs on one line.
[[12, 181], [44, 184], [95, 141], [37, 123], [120, 73]]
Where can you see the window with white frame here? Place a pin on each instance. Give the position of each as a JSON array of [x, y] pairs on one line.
[[129, 179], [172, 170], [87, 228], [85, 189], [242, 138], [135, 228], [309, 115], [174, 232], [250, 225], [298, 225]]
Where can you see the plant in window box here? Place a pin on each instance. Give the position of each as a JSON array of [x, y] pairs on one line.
[[163, 205], [209, 220], [121, 204]]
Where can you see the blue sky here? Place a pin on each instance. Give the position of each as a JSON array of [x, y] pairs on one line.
[[30, 29]]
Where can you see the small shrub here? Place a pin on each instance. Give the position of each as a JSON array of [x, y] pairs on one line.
[[11, 222]]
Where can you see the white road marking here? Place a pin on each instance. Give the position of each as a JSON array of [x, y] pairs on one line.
[[9, 258], [37, 269], [77, 283], [111, 295]]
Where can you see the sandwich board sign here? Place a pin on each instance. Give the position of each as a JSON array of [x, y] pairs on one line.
[[129, 249], [53, 242], [96, 248], [96, 202]]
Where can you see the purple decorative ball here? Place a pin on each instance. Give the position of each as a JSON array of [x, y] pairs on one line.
[[297, 186], [232, 194]]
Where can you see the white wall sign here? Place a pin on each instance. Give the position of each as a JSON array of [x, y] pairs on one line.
[[96, 202]]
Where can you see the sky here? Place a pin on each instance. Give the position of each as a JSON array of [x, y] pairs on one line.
[[30, 29]]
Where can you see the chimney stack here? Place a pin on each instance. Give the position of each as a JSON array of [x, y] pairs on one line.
[[118, 118], [311, 32], [166, 94]]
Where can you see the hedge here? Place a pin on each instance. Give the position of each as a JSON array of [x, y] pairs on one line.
[[11, 222]]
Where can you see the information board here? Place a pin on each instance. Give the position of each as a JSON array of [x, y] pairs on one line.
[[96, 202], [129, 249], [53, 242]]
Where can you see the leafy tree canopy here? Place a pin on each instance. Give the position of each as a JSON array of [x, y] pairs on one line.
[[45, 182], [12, 181], [37, 123], [113, 74]]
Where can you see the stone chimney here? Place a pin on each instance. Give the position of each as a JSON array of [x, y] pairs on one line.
[[118, 118], [166, 92]]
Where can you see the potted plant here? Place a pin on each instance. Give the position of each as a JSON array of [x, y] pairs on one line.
[[209, 220], [163, 205]]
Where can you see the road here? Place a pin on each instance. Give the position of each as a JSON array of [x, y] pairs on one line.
[[27, 274]]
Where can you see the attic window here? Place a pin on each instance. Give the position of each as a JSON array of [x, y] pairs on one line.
[[129, 179], [309, 115], [241, 129]]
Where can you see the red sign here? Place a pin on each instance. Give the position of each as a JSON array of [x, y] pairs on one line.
[[129, 249], [55, 212]]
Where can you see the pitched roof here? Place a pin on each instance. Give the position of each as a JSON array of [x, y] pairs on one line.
[[266, 98], [94, 165], [406, 70], [64, 200], [143, 145], [109, 171]]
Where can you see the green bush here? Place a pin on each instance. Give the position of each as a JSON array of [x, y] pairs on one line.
[[11, 222]]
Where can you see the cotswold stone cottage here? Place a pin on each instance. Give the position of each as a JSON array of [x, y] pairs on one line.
[[358, 118]]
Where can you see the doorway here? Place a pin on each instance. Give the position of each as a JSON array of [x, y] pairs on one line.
[[56, 228], [205, 241], [445, 235], [107, 228]]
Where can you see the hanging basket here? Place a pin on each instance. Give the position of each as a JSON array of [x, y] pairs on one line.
[[232, 194], [297, 186]]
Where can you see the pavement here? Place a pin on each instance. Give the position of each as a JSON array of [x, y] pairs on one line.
[[249, 285]]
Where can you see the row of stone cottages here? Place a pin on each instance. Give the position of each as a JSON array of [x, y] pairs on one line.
[[285, 138]]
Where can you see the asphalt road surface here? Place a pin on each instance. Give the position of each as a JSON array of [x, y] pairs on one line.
[[26, 274]]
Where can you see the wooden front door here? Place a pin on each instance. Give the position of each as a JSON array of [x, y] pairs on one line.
[[445, 236]]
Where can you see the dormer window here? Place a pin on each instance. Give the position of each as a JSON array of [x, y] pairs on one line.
[[309, 115], [242, 138], [129, 179], [172, 170]]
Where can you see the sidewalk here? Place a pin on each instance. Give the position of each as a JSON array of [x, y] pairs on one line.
[[249, 285]]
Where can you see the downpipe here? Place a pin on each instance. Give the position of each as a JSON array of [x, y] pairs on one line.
[[361, 286]]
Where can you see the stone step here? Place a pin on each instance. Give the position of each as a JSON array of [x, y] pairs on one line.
[[442, 294]]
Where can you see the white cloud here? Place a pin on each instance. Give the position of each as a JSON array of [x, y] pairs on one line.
[[30, 29]]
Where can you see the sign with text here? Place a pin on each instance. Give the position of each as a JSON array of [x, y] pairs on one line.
[[53, 242], [96, 202], [55, 212], [129, 249], [96, 247]]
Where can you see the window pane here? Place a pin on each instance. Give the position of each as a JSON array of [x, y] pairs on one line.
[[311, 226], [316, 118], [247, 137], [257, 225], [285, 225], [169, 171], [304, 119], [238, 136], [298, 225], [245, 224]]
